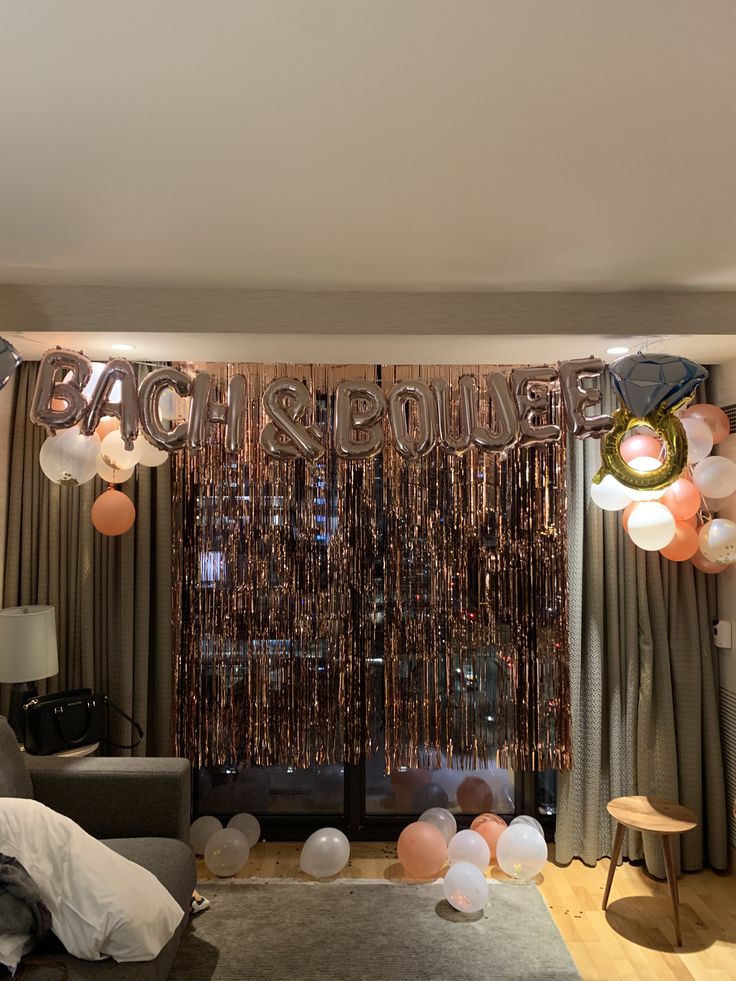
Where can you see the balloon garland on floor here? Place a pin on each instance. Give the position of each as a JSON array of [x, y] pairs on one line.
[[656, 464]]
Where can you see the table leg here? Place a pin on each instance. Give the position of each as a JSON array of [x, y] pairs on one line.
[[618, 838], [669, 862]]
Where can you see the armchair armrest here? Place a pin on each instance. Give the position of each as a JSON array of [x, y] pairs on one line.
[[114, 797]]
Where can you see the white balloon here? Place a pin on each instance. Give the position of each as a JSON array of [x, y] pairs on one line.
[[529, 821], [69, 458], [465, 887], [715, 477], [113, 452], [645, 464], [717, 539], [442, 819], [325, 853], [112, 475], [609, 494], [201, 831], [469, 846], [248, 825], [226, 852], [150, 455], [699, 439], [521, 851], [651, 526]]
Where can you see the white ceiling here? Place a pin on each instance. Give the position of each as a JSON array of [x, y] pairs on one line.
[[375, 144], [368, 349]]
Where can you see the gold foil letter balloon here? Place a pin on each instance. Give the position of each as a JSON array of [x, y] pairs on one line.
[[531, 388], [53, 384], [349, 419], [455, 445], [286, 401], [126, 410], [577, 398], [149, 399], [402, 394], [652, 388], [204, 412]]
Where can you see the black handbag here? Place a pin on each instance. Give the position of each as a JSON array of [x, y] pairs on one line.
[[63, 720]]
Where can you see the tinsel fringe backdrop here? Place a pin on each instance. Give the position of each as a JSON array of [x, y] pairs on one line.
[[415, 609]]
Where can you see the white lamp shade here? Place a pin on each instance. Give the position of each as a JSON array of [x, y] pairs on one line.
[[28, 643]]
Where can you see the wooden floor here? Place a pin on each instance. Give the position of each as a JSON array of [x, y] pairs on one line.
[[633, 939]]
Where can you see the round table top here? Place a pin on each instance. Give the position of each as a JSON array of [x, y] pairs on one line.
[[652, 814]]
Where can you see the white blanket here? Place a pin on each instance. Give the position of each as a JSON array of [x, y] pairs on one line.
[[101, 904]]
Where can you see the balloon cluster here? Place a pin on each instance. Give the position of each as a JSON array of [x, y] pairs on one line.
[[677, 519], [225, 850], [427, 845]]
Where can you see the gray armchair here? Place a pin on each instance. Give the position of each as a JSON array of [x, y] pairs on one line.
[[139, 807]]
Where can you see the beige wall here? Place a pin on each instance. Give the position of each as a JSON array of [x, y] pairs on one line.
[[6, 406]]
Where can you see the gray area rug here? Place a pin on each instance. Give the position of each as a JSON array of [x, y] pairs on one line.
[[368, 931]]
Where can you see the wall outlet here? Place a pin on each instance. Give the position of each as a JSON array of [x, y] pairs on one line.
[[722, 634]]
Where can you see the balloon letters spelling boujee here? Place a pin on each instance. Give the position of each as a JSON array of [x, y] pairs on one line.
[[417, 414]]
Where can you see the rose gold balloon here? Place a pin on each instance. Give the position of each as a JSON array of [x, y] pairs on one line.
[[107, 425], [422, 850], [490, 832], [638, 445], [700, 562], [627, 512], [684, 545], [682, 498], [487, 817], [474, 795], [715, 419], [113, 513]]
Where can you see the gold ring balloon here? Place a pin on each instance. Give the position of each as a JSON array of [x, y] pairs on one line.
[[669, 429], [652, 388]]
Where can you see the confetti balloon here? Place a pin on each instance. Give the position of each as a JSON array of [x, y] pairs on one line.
[[68, 458], [465, 888], [717, 539], [521, 852]]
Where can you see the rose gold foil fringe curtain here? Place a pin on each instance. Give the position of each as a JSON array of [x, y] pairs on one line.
[[417, 609]]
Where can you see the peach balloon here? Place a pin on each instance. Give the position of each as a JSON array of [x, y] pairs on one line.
[[684, 545], [487, 817], [490, 832], [422, 850], [682, 498], [715, 419], [627, 512], [113, 513], [474, 795], [107, 425], [700, 562], [638, 445]]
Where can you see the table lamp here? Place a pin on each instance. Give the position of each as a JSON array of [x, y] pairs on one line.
[[27, 654]]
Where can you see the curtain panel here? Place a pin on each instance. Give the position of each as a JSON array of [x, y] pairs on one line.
[[112, 595], [644, 687]]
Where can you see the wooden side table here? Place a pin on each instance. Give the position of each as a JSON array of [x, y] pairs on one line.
[[661, 817]]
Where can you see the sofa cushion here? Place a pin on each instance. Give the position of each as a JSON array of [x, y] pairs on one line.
[[171, 861], [15, 781]]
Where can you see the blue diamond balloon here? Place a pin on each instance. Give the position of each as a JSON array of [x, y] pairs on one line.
[[646, 382], [9, 361]]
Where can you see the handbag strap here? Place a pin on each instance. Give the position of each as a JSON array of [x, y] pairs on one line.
[[79, 740], [116, 708]]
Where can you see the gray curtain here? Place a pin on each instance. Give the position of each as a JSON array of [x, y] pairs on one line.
[[112, 595], [644, 688]]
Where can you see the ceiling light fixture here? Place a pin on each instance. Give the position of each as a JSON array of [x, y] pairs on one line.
[[617, 350], [129, 347]]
